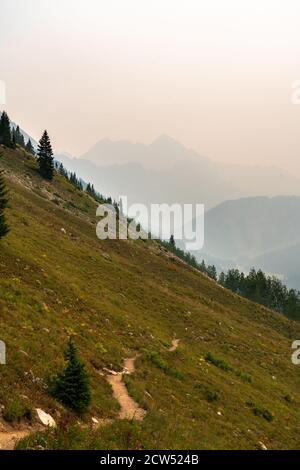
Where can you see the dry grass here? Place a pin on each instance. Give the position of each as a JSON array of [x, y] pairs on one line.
[[122, 297]]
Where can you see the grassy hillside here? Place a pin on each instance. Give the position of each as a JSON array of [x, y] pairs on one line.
[[230, 384]]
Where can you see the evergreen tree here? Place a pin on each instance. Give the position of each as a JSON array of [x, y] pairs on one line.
[[71, 387], [18, 137], [13, 142], [29, 147], [45, 157], [203, 266], [73, 179], [172, 240], [263, 289], [232, 280], [222, 278], [6, 137], [76, 181], [4, 229], [211, 272], [62, 171]]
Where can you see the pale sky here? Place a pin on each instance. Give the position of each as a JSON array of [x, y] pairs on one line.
[[215, 75]]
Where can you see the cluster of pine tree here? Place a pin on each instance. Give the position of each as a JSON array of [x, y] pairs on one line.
[[6, 137], [91, 191], [256, 286], [18, 137], [72, 177], [12, 136], [61, 170], [99, 197], [76, 181], [209, 270], [79, 184], [263, 289]]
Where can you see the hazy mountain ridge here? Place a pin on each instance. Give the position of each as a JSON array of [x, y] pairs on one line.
[[262, 232], [239, 231], [166, 171], [252, 226]]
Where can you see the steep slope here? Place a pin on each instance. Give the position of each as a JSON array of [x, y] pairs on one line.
[[229, 384]]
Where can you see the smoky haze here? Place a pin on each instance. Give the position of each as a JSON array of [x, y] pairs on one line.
[[215, 75]]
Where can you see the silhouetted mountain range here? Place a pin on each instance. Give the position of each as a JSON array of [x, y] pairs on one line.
[[166, 171]]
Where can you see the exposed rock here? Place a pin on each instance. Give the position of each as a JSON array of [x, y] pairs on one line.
[[262, 446], [45, 418]]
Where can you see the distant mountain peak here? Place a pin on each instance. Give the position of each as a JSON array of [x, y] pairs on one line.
[[166, 140]]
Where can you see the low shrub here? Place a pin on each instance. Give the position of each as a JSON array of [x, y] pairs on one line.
[[15, 411], [159, 362], [220, 363], [258, 410], [208, 393]]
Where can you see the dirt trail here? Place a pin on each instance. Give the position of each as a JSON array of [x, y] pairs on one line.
[[129, 408], [9, 439], [175, 343]]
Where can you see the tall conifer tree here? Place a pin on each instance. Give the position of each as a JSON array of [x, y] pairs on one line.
[[45, 157], [5, 131]]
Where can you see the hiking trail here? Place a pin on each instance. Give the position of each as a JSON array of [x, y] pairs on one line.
[[129, 408], [8, 439]]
